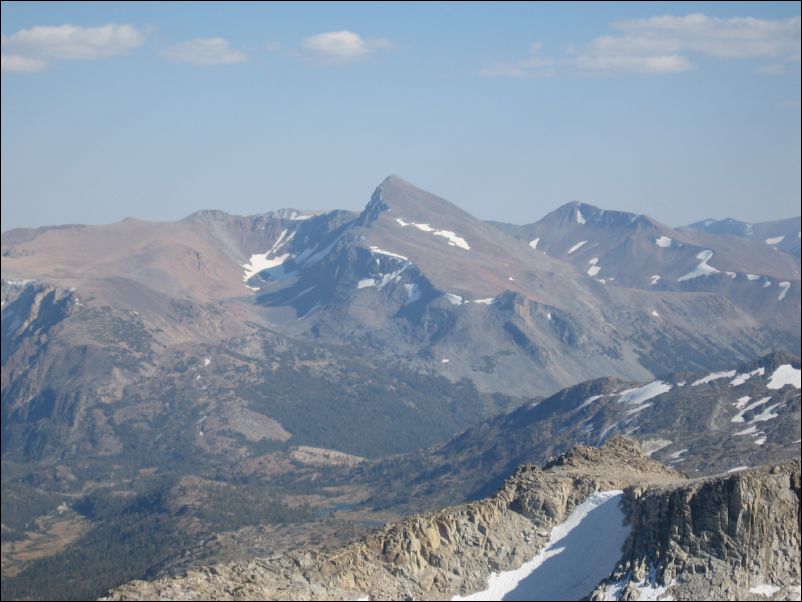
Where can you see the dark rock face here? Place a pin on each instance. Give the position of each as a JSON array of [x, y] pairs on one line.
[[714, 539]]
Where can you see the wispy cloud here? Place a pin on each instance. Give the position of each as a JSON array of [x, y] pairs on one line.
[[737, 37], [31, 50], [205, 51], [659, 44], [532, 66], [341, 46], [70, 42], [663, 44], [15, 63]]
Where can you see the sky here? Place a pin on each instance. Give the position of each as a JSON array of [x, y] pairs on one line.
[[681, 111]]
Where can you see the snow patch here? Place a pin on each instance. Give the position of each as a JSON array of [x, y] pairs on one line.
[[647, 588], [742, 378], [703, 269], [752, 277], [594, 261], [580, 219], [454, 299], [654, 445], [260, 262], [391, 277], [747, 431], [655, 314], [739, 417], [764, 589], [589, 401], [533, 243], [379, 251], [636, 397], [714, 376], [785, 375], [593, 270], [453, 239], [655, 278], [576, 246], [775, 240], [486, 301], [676, 456], [663, 241], [445, 360], [737, 469], [449, 235], [766, 414], [366, 282], [785, 286], [413, 293], [206, 361], [767, 284]]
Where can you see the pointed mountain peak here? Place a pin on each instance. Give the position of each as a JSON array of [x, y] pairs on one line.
[[409, 202], [576, 212]]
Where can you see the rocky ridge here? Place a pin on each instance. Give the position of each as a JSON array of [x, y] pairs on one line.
[[708, 537]]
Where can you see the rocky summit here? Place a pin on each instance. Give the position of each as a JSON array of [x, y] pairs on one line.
[[731, 536]]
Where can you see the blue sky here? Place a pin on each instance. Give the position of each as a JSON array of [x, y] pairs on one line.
[[154, 110]]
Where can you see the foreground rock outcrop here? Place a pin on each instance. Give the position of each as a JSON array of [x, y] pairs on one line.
[[732, 537], [712, 538]]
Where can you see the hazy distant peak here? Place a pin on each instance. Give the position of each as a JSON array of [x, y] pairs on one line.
[[409, 202], [582, 214]]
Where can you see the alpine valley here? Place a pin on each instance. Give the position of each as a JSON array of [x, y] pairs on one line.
[[402, 403]]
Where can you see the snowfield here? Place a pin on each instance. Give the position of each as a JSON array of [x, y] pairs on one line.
[[785, 375], [579, 554]]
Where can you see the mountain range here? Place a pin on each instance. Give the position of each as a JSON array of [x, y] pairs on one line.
[[317, 372]]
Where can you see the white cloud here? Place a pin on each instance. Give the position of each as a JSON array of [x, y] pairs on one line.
[[662, 44], [70, 42], [658, 44], [21, 64], [773, 69], [737, 37], [205, 51], [341, 46]]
